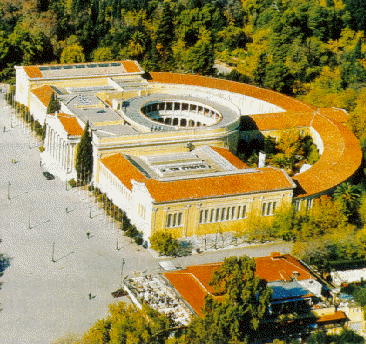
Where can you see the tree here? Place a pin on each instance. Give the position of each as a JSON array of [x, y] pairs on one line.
[[345, 337], [164, 243], [73, 54], [325, 217], [102, 54], [53, 105], [200, 57], [84, 156], [236, 316], [128, 325], [165, 35], [348, 196]]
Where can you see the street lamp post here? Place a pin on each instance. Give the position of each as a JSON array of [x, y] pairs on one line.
[[9, 190], [123, 263], [53, 253]]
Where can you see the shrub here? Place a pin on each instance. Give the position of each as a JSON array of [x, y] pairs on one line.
[[41, 149], [132, 232], [164, 243], [72, 182]]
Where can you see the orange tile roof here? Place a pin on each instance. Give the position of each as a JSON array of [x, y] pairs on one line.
[[342, 156], [189, 288], [339, 315], [265, 179], [43, 94], [123, 169], [335, 114], [281, 100], [70, 124], [192, 283], [131, 66], [235, 161], [282, 120], [33, 71], [281, 268]]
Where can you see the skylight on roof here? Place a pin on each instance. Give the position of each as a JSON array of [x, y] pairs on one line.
[[55, 67], [115, 64], [44, 68], [80, 66], [92, 65], [68, 67]]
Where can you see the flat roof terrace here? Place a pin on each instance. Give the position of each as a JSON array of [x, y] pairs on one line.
[[104, 121], [79, 70]]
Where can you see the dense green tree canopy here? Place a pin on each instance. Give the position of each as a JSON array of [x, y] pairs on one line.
[[84, 156], [235, 317]]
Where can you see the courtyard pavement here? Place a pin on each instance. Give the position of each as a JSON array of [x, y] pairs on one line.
[[41, 300]]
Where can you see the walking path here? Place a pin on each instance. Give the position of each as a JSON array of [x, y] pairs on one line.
[[42, 300]]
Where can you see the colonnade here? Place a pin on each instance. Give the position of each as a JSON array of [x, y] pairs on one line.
[[181, 114], [63, 152]]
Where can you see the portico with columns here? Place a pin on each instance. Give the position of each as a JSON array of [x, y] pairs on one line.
[[63, 133]]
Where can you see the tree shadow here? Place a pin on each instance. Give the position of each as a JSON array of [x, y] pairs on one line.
[[4, 264]]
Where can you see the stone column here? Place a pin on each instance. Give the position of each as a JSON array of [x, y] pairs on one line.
[[153, 220], [186, 220], [163, 223], [197, 219]]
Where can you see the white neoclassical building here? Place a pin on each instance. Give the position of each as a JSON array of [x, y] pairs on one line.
[[63, 133], [163, 142]]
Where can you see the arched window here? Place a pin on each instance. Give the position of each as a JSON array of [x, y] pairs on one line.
[[183, 122]]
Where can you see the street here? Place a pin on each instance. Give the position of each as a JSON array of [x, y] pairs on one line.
[[44, 293]]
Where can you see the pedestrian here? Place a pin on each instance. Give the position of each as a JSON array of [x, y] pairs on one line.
[[88, 234], [90, 296]]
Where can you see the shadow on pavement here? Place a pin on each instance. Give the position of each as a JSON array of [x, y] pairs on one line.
[[4, 264], [56, 260]]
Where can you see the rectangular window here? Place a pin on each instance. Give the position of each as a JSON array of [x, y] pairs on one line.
[[169, 220], [269, 207], [228, 213], [297, 205], [309, 203], [239, 212], [174, 220], [217, 215], [264, 205], [223, 210], [232, 213], [212, 215], [201, 216], [244, 212], [206, 216]]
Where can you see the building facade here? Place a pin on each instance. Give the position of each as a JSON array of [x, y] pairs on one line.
[[164, 144]]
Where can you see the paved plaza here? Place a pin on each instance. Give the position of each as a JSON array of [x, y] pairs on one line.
[[42, 300]]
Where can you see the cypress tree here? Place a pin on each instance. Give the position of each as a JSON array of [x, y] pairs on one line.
[[165, 36], [53, 105], [84, 156]]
